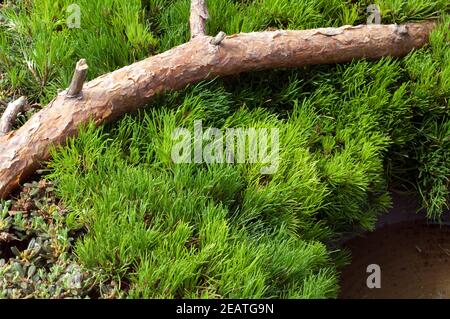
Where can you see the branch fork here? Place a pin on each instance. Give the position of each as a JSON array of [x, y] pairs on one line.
[[78, 79], [10, 115], [199, 15]]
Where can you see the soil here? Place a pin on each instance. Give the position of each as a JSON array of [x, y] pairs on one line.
[[414, 257]]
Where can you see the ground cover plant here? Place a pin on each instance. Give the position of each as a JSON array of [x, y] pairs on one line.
[[145, 227]]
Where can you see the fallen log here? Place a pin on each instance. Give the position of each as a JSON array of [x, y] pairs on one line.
[[110, 96]]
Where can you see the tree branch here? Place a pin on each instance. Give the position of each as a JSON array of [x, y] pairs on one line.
[[199, 15], [9, 116], [78, 78], [110, 96]]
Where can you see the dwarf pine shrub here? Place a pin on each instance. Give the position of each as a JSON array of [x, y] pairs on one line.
[[349, 133]]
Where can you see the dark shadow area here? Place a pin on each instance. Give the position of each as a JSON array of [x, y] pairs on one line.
[[412, 252]]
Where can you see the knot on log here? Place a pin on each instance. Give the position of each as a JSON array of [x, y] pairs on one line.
[[217, 40], [401, 29]]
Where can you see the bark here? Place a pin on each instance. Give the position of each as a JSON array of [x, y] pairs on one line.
[[199, 15], [110, 96], [9, 116]]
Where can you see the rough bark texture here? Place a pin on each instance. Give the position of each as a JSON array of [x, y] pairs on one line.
[[9, 116], [110, 96], [199, 15]]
